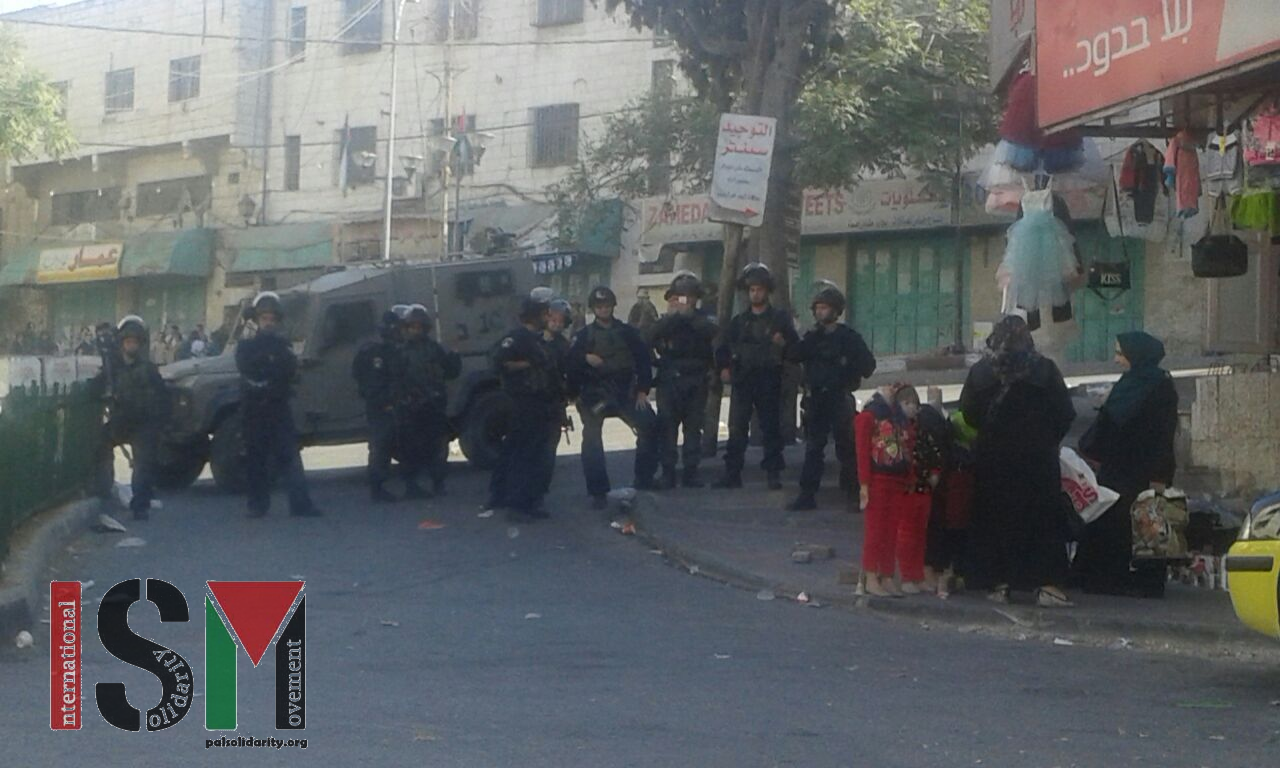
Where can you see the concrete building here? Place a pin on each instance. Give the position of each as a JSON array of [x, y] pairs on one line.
[[267, 123]]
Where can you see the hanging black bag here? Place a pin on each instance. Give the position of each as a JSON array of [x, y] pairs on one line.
[[1219, 253], [1114, 276]]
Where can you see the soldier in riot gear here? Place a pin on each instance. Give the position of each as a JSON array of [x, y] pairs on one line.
[[529, 377], [836, 359], [421, 401], [267, 368], [136, 404], [610, 369], [683, 340], [559, 319], [751, 356], [376, 368]]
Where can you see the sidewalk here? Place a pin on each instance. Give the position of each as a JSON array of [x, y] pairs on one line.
[[746, 538]]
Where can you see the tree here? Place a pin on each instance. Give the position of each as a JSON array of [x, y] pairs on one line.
[[855, 85], [31, 118]]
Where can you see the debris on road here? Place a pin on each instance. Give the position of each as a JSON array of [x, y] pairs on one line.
[[532, 616], [1062, 641], [694, 570], [1015, 619], [765, 594], [723, 656], [132, 541], [430, 525], [24, 639], [485, 515], [513, 532], [803, 597], [801, 556], [108, 523], [390, 623]]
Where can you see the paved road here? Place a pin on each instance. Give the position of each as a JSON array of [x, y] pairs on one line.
[[630, 662]]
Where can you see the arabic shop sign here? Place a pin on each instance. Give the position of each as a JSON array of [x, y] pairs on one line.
[[79, 264], [740, 180], [1093, 55]]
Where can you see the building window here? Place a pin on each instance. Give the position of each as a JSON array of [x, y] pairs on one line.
[[70, 208], [465, 22], [292, 163], [555, 135], [63, 89], [119, 90], [173, 196], [359, 146], [297, 32], [553, 13], [184, 78], [361, 25]]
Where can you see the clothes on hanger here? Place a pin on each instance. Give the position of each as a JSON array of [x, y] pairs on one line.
[[1182, 173], [1220, 168], [1140, 178], [1262, 142], [1257, 209], [1040, 260]]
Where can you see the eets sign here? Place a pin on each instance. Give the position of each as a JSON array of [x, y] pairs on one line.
[[251, 612]]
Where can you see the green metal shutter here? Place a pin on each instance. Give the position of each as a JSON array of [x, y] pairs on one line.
[[905, 292]]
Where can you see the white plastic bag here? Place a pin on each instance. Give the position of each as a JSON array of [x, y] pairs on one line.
[[1088, 498]]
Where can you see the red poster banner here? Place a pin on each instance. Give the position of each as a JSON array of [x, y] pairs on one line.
[[1095, 54], [65, 661]]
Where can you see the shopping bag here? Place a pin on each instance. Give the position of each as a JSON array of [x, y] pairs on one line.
[[1088, 498], [1160, 524]]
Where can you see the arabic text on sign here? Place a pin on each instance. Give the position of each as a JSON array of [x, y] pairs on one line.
[[1112, 45]]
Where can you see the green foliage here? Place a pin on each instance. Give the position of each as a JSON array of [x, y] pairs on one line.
[[30, 108]]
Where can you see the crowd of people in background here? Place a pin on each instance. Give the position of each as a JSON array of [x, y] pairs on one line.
[[167, 346]]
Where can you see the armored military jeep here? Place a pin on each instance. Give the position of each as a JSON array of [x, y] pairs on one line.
[[328, 320]]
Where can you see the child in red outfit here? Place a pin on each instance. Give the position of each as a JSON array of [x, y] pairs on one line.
[[884, 463], [925, 437]]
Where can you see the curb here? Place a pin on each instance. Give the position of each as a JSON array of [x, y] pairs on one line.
[[33, 548], [1031, 619]]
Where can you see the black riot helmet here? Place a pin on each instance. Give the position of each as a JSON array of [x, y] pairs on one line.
[[418, 314], [267, 301], [685, 283], [830, 295], [601, 295], [389, 326], [533, 310], [563, 308], [132, 325], [755, 273]]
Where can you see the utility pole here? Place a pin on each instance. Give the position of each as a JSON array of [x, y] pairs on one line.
[[397, 15], [445, 231]]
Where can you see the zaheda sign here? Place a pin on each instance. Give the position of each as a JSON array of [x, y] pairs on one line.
[[257, 614]]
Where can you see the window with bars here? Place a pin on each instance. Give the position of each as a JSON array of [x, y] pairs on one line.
[[71, 208], [119, 90], [292, 163], [184, 78], [553, 13], [361, 25], [172, 196], [362, 162], [555, 135], [297, 32]]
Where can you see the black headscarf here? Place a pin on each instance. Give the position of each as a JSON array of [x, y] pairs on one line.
[[1127, 397], [1013, 352]]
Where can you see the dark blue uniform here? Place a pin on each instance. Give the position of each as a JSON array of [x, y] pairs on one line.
[[683, 342], [836, 359], [376, 368], [755, 362], [267, 368], [558, 348], [138, 406], [422, 414], [517, 482], [611, 391]]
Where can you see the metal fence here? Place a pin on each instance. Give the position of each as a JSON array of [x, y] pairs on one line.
[[49, 441]]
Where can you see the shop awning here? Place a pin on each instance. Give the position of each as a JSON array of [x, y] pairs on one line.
[[20, 266], [184, 253], [287, 246]]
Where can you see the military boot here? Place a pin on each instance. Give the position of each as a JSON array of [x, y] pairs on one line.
[[690, 478]]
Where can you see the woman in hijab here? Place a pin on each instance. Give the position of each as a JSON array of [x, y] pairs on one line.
[[1018, 403], [1132, 442]]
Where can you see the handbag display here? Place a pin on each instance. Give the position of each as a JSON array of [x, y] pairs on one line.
[[1219, 253]]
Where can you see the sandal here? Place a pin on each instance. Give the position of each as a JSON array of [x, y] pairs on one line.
[[1052, 599], [999, 595]]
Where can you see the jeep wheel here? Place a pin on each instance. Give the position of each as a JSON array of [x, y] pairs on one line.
[[485, 424], [180, 465], [226, 455]]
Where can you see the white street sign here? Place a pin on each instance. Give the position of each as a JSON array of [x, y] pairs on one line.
[[744, 157]]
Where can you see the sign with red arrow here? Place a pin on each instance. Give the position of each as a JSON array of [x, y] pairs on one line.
[[744, 159]]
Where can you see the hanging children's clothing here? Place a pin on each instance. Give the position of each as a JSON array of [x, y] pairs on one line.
[[1182, 173], [1262, 142], [1220, 169], [1040, 259], [1140, 178]]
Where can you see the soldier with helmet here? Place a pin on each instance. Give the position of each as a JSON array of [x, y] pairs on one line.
[[751, 356], [836, 359], [529, 377], [137, 404], [683, 340], [610, 369], [268, 368], [421, 399], [559, 319], [376, 369]]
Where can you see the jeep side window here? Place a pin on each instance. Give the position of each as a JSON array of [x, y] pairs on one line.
[[347, 324]]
